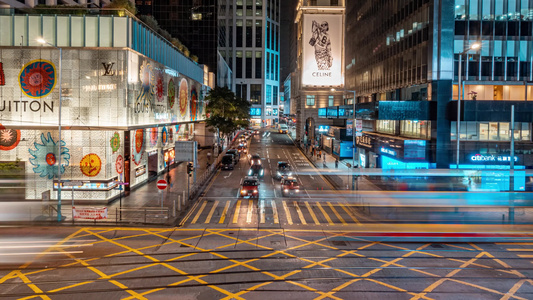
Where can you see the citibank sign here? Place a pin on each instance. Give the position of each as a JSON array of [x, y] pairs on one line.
[[491, 158]]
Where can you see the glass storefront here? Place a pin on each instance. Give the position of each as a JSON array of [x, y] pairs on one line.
[[491, 131]]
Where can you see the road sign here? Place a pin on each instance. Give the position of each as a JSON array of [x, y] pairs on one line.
[[162, 184]]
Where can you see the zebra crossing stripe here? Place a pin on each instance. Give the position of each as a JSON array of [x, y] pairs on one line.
[[237, 211], [250, 209], [224, 213], [199, 212], [337, 214], [275, 212], [299, 211], [312, 213], [262, 211], [287, 213], [324, 213], [211, 212]]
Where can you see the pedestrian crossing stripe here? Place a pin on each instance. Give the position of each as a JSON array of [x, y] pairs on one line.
[[332, 214]]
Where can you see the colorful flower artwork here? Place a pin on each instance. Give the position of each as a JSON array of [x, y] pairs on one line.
[[170, 134], [9, 138], [138, 151], [153, 136], [171, 93], [143, 102], [119, 164], [164, 136], [2, 76], [37, 78], [115, 142], [44, 157], [194, 103], [159, 89], [183, 96], [201, 104], [90, 165]]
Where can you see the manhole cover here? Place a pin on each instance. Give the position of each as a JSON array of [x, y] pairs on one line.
[[338, 243]]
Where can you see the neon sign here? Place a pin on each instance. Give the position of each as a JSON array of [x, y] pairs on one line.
[[387, 151], [492, 158]]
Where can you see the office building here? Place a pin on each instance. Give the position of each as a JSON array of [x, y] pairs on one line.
[[249, 32]]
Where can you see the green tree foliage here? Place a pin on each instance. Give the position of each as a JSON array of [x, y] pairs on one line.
[[227, 113], [122, 4]]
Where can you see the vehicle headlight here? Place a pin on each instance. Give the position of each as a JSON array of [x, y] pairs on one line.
[[258, 162], [289, 174], [261, 172], [297, 190], [286, 190], [250, 172], [243, 192], [279, 174], [255, 191]]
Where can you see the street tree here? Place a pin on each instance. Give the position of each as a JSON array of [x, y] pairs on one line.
[[226, 112]]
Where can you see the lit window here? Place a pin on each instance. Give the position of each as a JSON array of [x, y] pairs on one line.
[[197, 16], [310, 100]]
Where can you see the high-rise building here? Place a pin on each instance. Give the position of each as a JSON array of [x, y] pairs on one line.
[[249, 32], [318, 78], [408, 62], [193, 22]]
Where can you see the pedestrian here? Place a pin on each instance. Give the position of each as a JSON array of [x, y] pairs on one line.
[[324, 158], [336, 163]]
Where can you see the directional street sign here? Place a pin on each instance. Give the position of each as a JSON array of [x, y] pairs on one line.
[[162, 184]]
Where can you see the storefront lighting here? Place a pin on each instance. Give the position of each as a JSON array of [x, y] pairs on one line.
[[43, 42]]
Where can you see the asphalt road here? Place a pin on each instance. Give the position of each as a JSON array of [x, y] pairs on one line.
[[233, 263], [221, 205]]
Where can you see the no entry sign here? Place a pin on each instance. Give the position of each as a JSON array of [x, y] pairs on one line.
[[162, 184]]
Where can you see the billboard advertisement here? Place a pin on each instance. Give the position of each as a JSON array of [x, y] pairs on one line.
[[323, 41]]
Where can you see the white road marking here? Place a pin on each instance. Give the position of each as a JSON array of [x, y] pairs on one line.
[[249, 214], [278, 156], [275, 211], [287, 213], [228, 175], [262, 211]]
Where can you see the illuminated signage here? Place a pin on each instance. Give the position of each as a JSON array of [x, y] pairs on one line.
[[362, 160], [342, 112], [364, 141], [255, 111], [349, 127], [322, 50], [323, 128], [322, 112], [274, 111], [491, 158], [332, 112], [387, 151]]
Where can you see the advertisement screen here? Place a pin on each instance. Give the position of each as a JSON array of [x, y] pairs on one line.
[[323, 41]]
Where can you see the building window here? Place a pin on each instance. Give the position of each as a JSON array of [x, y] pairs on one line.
[[255, 94], [269, 95], [249, 33], [275, 96], [238, 64], [491, 131], [258, 33], [386, 126], [310, 100], [239, 33], [415, 129], [330, 101], [249, 64], [267, 66], [258, 65]]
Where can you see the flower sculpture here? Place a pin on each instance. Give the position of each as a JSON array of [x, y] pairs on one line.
[[115, 142], [183, 96], [153, 136], [44, 157], [37, 78], [171, 93], [164, 136], [90, 165], [138, 149], [143, 102], [9, 138], [194, 103]]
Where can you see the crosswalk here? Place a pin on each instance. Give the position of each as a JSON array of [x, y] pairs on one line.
[[271, 211]]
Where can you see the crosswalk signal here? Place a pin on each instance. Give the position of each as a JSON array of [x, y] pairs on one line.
[[190, 168]]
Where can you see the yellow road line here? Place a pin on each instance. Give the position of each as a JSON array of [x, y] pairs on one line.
[[347, 210], [275, 212], [224, 213], [287, 212], [324, 213], [525, 255], [199, 212], [518, 249], [337, 214], [511, 243], [262, 211], [211, 212], [299, 211], [312, 213], [237, 211], [250, 210]]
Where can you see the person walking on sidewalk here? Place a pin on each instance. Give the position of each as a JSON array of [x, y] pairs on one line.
[[336, 163]]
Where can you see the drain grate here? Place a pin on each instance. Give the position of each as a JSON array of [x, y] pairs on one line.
[[338, 243]]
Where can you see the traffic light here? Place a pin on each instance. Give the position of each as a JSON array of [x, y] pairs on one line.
[[190, 168]]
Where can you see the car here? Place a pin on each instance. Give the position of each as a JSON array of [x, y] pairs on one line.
[[256, 171], [227, 162], [235, 153], [255, 159], [249, 187], [242, 148], [283, 128], [289, 186], [284, 169]]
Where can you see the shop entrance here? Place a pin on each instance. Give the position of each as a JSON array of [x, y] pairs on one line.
[[152, 164]]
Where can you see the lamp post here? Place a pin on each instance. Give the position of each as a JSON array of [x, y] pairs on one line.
[[474, 46], [353, 132], [59, 217]]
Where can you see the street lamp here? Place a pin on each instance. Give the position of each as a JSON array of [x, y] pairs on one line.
[[474, 46], [353, 131], [59, 217]]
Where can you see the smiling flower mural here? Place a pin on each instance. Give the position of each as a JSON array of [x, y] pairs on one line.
[[45, 159]]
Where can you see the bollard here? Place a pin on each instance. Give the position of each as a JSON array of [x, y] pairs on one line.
[[174, 208], [183, 198], [179, 202]]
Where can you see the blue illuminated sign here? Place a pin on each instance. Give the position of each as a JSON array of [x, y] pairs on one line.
[[274, 111], [333, 112], [388, 163], [387, 151], [342, 112], [491, 158], [323, 128], [322, 112], [255, 111]]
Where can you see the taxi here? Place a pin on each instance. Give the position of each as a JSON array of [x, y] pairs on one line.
[[289, 186], [249, 187]]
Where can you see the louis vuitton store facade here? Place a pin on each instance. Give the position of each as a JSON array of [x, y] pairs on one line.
[[124, 99]]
